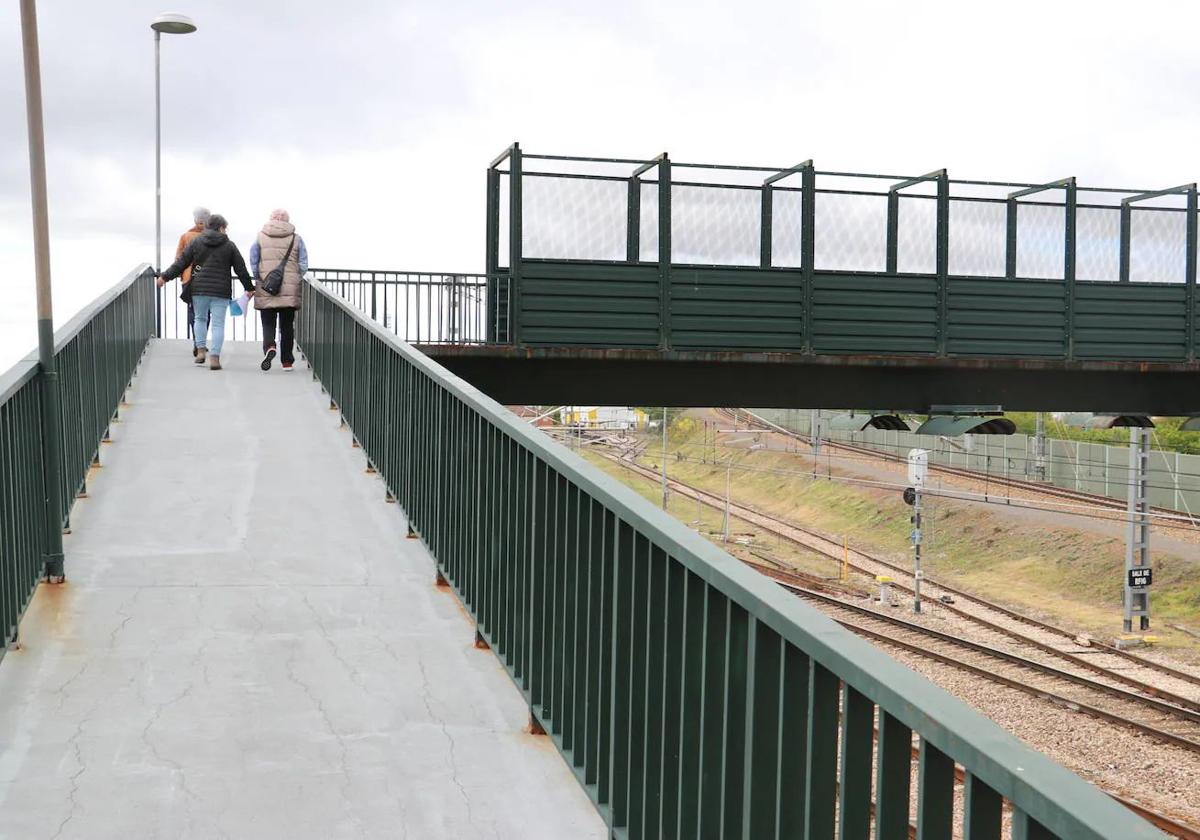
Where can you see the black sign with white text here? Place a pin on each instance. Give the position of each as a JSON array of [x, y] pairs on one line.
[[1140, 576]]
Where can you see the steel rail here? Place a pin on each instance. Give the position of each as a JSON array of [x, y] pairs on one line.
[[1016, 616], [1050, 696], [834, 551]]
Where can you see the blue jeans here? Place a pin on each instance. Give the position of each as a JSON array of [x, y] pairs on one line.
[[218, 308]]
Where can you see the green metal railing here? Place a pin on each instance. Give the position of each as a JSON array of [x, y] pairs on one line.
[[96, 355], [691, 696]]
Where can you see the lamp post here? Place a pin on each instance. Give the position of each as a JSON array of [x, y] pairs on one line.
[[51, 418], [171, 24]]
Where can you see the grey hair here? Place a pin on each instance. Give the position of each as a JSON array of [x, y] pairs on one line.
[[200, 215]]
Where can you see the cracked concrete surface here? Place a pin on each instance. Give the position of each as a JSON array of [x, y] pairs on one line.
[[247, 646]]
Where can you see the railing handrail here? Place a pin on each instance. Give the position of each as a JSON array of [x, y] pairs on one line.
[[27, 367], [69, 330], [1014, 770], [395, 271]]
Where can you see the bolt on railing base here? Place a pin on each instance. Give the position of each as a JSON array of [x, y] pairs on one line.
[[480, 642], [413, 535], [535, 725], [439, 579]]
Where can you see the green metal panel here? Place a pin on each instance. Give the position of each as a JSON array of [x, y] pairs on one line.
[[589, 304], [760, 674], [874, 314], [1130, 321], [737, 309], [1007, 318]]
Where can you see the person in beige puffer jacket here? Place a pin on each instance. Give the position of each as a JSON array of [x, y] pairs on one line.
[[266, 254]]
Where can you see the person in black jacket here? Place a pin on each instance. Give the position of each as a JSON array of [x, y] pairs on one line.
[[212, 256]]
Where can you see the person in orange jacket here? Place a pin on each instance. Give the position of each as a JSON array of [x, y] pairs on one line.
[[200, 216]]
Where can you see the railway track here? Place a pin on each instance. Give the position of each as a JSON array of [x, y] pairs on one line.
[[1096, 657], [810, 589]]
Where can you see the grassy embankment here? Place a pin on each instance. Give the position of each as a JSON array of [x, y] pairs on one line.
[[1066, 575]]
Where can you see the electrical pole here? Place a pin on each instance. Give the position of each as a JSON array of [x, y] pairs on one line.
[[664, 457], [728, 474], [1137, 546], [51, 417], [1039, 448], [814, 437]]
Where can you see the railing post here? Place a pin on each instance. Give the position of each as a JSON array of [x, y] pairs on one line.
[[1190, 276], [374, 295], [514, 242], [1069, 254], [1010, 245], [492, 258], [766, 227], [943, 257], [893, 231], [808, 247], [664, 251], [1125, 225]]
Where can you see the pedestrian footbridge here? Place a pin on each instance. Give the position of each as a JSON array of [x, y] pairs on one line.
[[658, 281], [371, 602]]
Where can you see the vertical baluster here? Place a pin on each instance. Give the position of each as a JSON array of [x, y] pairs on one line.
[[981, 811], [821, 775], [935, 794], [893, 778], [854, 803]]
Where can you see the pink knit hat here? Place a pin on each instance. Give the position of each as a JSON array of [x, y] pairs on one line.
[[279, 216]]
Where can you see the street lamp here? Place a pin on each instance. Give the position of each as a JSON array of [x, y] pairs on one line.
[[172, 24], [50, 408]]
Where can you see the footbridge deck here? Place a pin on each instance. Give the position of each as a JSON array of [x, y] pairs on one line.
[[248, 646]]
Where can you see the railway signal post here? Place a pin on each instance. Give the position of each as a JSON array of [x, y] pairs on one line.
[[1137, 546], [918, 469]]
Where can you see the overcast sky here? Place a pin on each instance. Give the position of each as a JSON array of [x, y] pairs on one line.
[[373, 122]]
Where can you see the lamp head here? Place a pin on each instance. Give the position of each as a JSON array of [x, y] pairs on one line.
[[171, 23]]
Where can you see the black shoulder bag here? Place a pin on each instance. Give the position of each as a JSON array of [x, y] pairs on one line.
[[272, 284]]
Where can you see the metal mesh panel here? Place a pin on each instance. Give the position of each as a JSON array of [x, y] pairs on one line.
[[851, 232], [502, 229], [574, 218], [977, 238], [1041, 240], [787, 238], [715, 225], [1098, 243], [648, 229], [916, 235], [1157, 245]]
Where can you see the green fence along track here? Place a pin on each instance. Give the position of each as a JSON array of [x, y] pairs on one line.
[[690, 695], [96, 353]]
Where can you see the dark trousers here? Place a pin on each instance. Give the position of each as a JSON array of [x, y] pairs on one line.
[[286, 318]]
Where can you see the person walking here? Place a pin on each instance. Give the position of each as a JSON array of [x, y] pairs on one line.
[[200, 218], [278, 246], [212, 256]]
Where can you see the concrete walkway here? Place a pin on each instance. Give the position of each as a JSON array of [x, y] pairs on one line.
[[247, 646]]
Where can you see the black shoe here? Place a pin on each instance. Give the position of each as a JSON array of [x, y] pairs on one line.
[[266, 362]]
